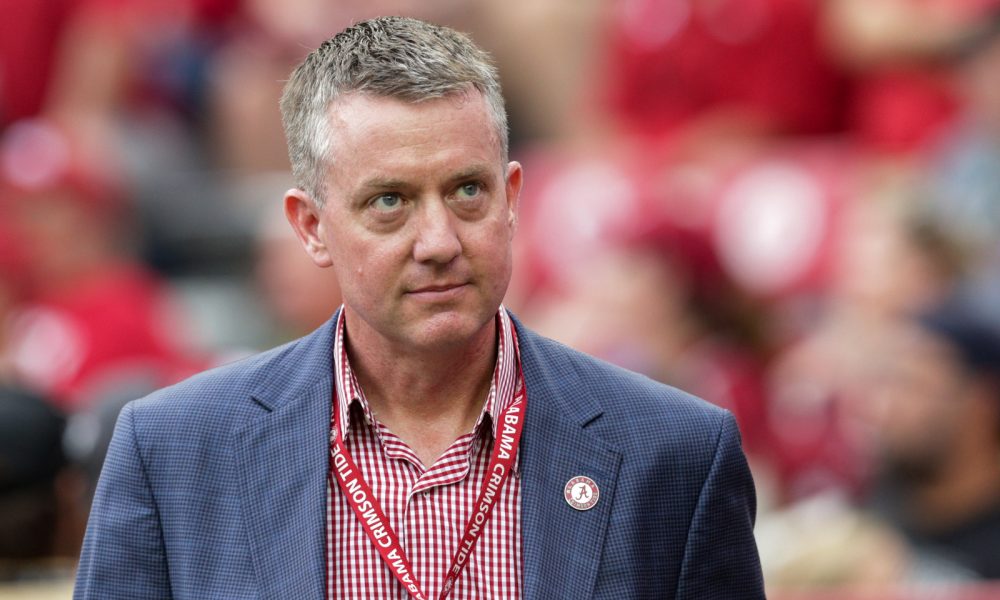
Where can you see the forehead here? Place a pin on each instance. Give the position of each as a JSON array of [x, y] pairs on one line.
[[393, 136]]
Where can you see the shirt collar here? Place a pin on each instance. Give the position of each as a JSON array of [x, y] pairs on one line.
[[500, 395]]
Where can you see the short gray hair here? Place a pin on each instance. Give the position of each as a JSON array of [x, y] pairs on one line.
[[392, 57]]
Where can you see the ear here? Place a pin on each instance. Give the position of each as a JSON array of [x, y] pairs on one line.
[[304, 217], [513, 190]]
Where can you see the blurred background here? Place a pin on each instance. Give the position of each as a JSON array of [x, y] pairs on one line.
[[788, 207]]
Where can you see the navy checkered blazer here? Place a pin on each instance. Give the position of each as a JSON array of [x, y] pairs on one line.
[[216, 487]]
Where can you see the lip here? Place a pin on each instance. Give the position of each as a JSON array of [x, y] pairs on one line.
[[438, 292]]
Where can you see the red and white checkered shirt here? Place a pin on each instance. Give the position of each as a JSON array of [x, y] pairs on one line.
[[428, 508]]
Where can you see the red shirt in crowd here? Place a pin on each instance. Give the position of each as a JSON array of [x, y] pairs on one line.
[[674, 61], [114, 327]]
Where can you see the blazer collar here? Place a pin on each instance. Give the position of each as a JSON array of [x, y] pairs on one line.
[[297, 367]]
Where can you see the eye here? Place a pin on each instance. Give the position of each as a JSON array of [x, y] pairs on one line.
[[469, 190], [386, 202]]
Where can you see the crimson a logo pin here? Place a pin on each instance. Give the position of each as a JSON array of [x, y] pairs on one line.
[[581, 493]]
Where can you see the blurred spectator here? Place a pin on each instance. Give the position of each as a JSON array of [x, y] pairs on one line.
[[31, 454], [934, 407], [550, 55], [704, 73], [900, 52], [301, 296], [634, 306], [895, 258], [245, 76], [30, 461], [113, 67], [92, 315], [844, 548], [133, 95], [964, 173], [891, 261], [966, 178]]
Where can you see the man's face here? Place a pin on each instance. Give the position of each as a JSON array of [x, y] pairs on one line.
[[417, 220], [919, 398]]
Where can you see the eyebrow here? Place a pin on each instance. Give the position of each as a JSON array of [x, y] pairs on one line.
[[473, 172], [383, 183]]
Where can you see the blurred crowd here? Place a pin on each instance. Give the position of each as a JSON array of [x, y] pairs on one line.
[[790, 208]]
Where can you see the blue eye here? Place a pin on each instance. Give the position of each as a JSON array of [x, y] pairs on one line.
[[469, 190], [386, 202]]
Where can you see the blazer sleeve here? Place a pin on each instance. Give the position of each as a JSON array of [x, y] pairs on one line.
[[123, 553], [720, 557]]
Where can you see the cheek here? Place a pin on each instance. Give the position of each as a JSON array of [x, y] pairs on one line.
[[356, 252], [373, 271], [492, 248]]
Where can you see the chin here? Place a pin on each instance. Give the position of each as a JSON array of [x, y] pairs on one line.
[[449, 330]]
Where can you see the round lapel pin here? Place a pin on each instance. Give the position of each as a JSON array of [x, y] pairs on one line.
[[581, 493]]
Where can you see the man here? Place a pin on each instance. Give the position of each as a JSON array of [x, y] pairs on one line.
[[937, 408], [422, 442]]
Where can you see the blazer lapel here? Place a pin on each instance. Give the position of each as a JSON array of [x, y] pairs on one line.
[[282, 464], [562, 546]]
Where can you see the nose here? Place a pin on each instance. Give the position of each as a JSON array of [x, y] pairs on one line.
[[436, 237]]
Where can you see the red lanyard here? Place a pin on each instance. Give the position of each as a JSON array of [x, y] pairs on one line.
[[369, 512]]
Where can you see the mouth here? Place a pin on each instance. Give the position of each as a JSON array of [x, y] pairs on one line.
[[438, 292]]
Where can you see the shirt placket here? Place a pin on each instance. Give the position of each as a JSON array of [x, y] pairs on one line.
[[430, 506], [426, 503]]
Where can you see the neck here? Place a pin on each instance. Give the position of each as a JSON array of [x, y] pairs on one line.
[[427, 398]]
